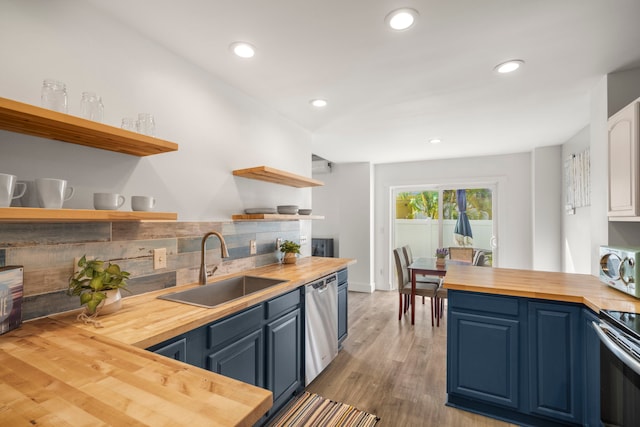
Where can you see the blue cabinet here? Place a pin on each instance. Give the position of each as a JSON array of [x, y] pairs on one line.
[[486, 362], [242, 359], [523, 360], [262, 345], [555, 361], [483, 348], [175, 349], [285, 371], [343, 306]]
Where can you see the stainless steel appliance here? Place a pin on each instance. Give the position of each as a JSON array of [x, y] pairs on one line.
[[619, 334], [321, 325], [618, 268]]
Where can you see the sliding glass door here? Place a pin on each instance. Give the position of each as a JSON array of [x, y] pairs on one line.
[[429, 217]]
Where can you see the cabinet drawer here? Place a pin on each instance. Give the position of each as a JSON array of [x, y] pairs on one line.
[[493, 304], [283, 303], [233, 326]]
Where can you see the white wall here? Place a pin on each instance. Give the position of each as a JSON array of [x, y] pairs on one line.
[[217, 127], [576, 230], [513, 174], [547, 207], [347, 204]]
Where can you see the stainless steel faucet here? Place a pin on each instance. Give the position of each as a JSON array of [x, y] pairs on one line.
[[224, 253]]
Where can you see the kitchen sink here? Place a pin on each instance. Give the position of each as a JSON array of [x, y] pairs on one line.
[[222, 291]]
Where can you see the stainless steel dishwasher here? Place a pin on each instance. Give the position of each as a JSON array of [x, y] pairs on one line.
[[321, 325]]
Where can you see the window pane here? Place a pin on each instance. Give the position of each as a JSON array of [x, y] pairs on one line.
[[417, 205]]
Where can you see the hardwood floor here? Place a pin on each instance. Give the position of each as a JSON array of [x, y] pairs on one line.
[[393, 369]]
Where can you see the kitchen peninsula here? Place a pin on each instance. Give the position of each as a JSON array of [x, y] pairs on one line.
[[520, 346], [57, 371]]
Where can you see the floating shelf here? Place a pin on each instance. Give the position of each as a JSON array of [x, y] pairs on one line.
[[274, 217], [77, 215], [31, 120], [276, 176]]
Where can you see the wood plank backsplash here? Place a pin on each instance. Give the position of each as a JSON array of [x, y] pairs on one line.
[[47, 251]]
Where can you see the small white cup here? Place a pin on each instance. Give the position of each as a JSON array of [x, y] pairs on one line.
[[52, 193], [142, 203], [8, 184], [107, 201]]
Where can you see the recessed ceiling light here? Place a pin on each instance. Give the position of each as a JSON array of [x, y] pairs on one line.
[[401, 19], [509, 66], [243, 49], [435, 141], [318, 103]]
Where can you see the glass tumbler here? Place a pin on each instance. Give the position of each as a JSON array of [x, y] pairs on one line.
[[146, 124], [54, 95], [91, 106], [129, 123]]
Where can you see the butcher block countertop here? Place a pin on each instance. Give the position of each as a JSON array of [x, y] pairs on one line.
[[567, 287], [58, 372]]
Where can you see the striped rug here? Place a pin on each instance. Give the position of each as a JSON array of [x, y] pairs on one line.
[[309, 409]]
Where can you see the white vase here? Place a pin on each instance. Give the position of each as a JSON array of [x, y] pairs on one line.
[[112, 303]]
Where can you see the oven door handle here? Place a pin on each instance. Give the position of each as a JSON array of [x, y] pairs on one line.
[[615, 349]]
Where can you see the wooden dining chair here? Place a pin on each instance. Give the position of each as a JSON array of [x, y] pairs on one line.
[[404, 286], [461, 254]]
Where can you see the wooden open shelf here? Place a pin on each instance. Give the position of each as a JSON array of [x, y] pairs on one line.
[[85, 215], [276, 176], [274, 217], [31, 120]]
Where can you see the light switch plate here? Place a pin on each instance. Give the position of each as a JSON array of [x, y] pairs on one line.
[[252, 247], [159, 258]]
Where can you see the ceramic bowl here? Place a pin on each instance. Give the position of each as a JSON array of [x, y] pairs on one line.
[[304, 211], [288, 209]]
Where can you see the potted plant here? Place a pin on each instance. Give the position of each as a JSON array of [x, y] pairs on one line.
[[290, 250], [441, 254], [98, 285]]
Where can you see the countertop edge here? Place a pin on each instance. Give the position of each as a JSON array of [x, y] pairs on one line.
[[583, 289]]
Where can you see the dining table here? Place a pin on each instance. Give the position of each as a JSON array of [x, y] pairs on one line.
[[429, 267]]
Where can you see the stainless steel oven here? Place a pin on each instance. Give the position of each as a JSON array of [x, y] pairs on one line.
[[619, 334]]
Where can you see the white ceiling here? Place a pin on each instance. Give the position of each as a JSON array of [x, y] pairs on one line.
[[390, 92]]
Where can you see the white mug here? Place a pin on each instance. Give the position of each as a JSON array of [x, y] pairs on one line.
[[52, 193], [8, 184], [107, 201], [142, 203]]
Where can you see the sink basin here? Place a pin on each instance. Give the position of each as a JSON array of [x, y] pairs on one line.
[[223, 291]]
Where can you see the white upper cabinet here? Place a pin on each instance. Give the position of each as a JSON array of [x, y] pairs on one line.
[[624, 163]]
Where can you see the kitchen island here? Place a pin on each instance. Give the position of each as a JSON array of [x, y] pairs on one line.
[[56, 371], [520, 345]]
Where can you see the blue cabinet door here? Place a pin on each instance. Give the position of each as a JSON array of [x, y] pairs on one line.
[[175, 350], [555, 361], [483, 358], [343, 309], [284, 357], [242, 360]]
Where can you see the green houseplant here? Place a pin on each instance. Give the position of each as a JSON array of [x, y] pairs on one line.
[[97, 282], [290, 250]]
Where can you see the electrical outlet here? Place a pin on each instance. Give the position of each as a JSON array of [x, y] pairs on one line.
[[159, 258], [77, 259], [303, 239], [252, 247], [278, 243]]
